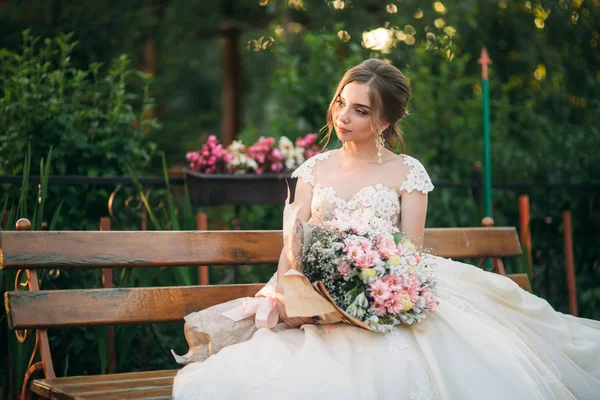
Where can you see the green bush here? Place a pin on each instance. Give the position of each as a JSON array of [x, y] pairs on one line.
[[97, 123], [96, 119]]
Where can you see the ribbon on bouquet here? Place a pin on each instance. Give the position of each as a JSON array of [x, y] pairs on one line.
[[301, 300], [263, 306]]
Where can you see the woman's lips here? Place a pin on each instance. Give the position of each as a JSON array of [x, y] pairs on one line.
[[342, 130]]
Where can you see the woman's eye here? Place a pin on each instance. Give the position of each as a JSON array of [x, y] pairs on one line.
[[361, 112]]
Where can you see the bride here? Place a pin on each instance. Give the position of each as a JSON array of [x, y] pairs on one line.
[[487, 340]]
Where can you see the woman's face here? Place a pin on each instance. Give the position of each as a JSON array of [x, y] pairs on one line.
[[352, 114]]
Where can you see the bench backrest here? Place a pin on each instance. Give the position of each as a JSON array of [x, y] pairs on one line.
[[114, 249], [92, 307]]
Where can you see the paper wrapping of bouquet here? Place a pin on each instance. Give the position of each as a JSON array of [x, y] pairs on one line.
[[305, 300]]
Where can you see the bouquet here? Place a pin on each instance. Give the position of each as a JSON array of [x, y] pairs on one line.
[[373, 275]]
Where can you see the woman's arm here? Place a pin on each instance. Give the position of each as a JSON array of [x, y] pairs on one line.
[[414, 213], [302, 200]]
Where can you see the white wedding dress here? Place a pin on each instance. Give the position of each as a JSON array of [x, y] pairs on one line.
[[489, 339]]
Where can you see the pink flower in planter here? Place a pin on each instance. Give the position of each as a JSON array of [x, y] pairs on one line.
[[309, 144], [267, 158], [211, 158]]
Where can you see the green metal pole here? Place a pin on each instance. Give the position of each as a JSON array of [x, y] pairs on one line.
[[487, 157], [487, 151]]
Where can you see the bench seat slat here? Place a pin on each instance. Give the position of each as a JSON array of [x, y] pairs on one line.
[[154, 394], [93, 307], [121, 387], [73, 249], [95, 386], [76, 380]]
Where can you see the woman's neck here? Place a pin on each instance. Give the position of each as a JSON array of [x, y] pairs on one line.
[[365, 151]]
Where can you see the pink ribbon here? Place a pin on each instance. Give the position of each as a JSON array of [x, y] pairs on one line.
[[263, 307]]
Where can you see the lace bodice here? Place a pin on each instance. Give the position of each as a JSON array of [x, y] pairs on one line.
[[382, 199]]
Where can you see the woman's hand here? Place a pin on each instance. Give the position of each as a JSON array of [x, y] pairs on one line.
[[292, 322]]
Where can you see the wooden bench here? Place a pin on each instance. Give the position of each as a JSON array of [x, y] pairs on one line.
[[38, 309]]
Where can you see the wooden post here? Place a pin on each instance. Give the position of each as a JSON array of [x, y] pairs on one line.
[[149, 56], [569, 262], [107, 283], [143, 336], [6, 214], [236, 224], [525, 231], [202, 225], [497, 264], [231, 84], [144, 222], [149, 60]]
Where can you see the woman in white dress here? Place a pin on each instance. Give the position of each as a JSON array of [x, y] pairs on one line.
[[488, 339]]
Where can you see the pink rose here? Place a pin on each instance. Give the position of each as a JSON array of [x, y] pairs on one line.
[[364, 243], [380, 291], [430, 301], [386, 247], [394, 282], [366, 259], [359, 226], [400, 301], [344, 269], [379, 309], [355, 252]]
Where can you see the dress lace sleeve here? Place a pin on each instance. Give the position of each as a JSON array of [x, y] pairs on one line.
[[417, 178], [305, 171]]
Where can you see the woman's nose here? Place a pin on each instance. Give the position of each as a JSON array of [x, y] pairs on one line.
[[344, 116]]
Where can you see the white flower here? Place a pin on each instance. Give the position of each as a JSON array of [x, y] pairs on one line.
[[293, 156]]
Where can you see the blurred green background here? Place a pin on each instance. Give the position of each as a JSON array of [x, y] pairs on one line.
[[112, 85]]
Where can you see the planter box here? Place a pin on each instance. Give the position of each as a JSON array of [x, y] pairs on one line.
[[239, 190]]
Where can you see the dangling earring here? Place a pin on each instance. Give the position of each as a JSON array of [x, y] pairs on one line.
[[380, 144]]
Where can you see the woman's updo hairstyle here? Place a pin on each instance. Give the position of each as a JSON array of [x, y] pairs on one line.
[[389, 92]]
